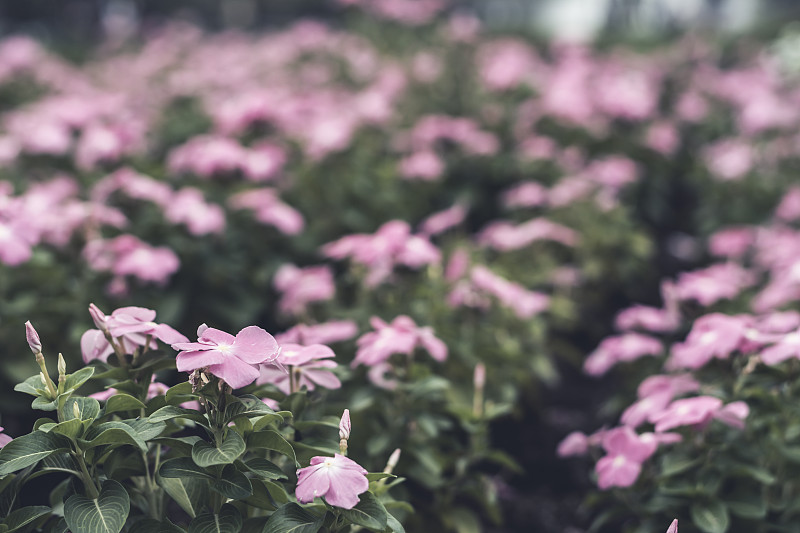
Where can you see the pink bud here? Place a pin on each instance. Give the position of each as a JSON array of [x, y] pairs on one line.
[[33, 338], [201, 329], [344, 425], [479, 378], [673, 527], [98, 317]]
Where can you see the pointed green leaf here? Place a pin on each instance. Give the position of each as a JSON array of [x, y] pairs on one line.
[[181, 467], [43, 404], [204, 454], [711, 517], [229, 520], [145, 429], [271, 440], [251, 407], [121, 402], [170, 412], [182, 445], [87, 408], [69, 428], [106, 514], [291, 518], [112, 433], [182, 392], [24, 517], [369, 512], [261, 497], [149, 525], [78, 378], [29, 449], [394, 524], [232, 484], [189, 493], [264, 468], [33, 386]]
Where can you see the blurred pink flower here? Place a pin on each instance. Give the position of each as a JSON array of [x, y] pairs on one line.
[[338, 479], [506, 63], [730, 159], [402, 336], [576, 443], [423, 165], [528, 194], [697, 411], [324, 333], [712, 336], [626, 451], [127, 255], [188, 206], [625, 347], [4, 439], [732, 243], [789, 207], [232, 359], [309, 364], [505, 236], [525, 303], [302, 286], [717, 282], [441, 221], [269, 210]]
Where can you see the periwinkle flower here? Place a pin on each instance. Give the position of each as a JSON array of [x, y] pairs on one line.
[[338, 479]]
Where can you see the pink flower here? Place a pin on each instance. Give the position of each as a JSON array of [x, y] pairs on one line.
[[730, 159], [310, 366], [697, 411], [504, 236], [33, 338], [441, 221], [626, 453], [423, 165], [230, 358], [576, 443], [130, 327], [731, 242], [714, 335], [673, 527], [789, 208], [401, 336], [626, 347], [301, 286], [4, 439], [338, 479], [324, 333], [188, 206], [525, 303], [717, 282], [269, 210]]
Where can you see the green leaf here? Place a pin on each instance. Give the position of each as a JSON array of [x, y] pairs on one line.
[[88, 409], [189, 493], [182, 392], [106, 514], [395, 525], [261, 497], [232, 484], [170, 412], [121, 402], [204, 454], [291, 518], [29, 449], [25, 516], [463, 521], [271, 440], [711, 517], [33, 386], [149, 525], [229, 520], [249, 406], [182, 445], [675, 464], [145, 429], [70, 428], [369, 513], [264, 468], [182, 467], [376, 476], [43, 404], [78, 378], [112, 433]]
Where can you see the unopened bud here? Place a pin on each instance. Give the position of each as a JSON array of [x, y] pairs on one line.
[[344, 425], [479, 378], [44, 380], [98, 317], [33, 338], [76, 410], [392, 462], [62, 365]]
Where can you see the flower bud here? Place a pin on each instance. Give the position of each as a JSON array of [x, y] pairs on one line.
[[62, 365], [98, 317], [76, 410], [44, 380], [479, 378], [33, 338], [344, 425], [392, 462]]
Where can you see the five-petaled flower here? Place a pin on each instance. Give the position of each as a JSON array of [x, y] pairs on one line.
[[339, 479], [232, 359]]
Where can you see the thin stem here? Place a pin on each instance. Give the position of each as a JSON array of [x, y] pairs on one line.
[[88, 482]]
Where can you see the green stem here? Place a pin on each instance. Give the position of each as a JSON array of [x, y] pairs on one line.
[[88, 482]]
